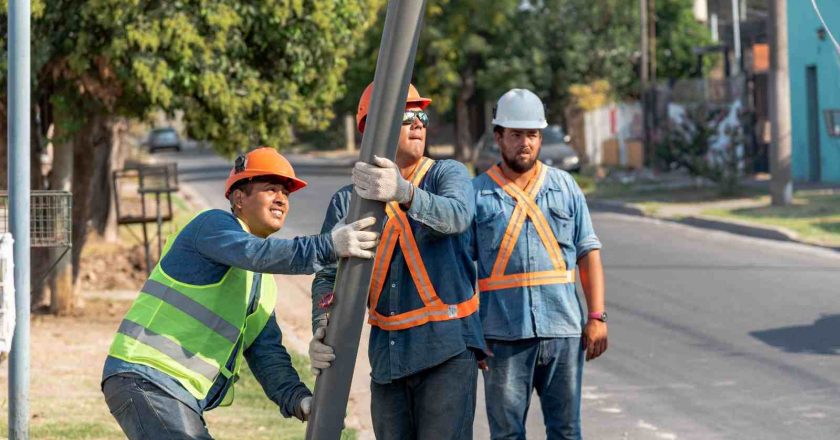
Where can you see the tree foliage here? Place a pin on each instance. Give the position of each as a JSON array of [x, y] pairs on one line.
[[472, 51]]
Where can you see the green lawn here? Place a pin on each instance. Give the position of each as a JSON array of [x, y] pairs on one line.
[[814, 216]]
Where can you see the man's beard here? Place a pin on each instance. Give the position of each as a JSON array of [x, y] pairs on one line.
[[519, 165]]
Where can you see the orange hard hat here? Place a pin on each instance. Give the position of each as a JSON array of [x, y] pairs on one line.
[[263, 161], [364, 103]]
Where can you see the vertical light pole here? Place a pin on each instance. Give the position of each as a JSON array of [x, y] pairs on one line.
[[643, 27], [736, 35], [19, 201], [781, 187], [390, 87]]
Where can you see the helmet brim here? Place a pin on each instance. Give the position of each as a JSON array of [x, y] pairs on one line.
[[524, 125], [292, 183]]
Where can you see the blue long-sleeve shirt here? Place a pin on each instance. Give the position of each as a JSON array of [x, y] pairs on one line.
[[440, 214], [545, 311], [203, 252]]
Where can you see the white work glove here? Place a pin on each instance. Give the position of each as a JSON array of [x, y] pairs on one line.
[[351, 241], [381, 181], [304, 409], [320, 355]]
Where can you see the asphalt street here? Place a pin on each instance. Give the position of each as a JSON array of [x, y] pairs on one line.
[[711, 335]]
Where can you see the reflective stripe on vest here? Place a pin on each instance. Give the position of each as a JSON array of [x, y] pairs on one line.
[[526, 208], [398, 230], [192, 308], [169, 348], [190, 332]]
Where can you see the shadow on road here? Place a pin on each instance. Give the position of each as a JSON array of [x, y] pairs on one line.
[[821, 337]]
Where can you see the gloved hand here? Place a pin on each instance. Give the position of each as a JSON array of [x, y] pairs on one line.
[[381, 181], [304, 409], [351, 241], [320, 355]]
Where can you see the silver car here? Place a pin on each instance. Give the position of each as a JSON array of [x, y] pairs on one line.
[[555, 151]]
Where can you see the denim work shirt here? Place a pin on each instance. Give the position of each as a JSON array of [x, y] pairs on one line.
[[202, 254], [547, 311], [440, 214]]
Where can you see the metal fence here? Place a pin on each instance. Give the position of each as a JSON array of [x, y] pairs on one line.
[[50, 218]]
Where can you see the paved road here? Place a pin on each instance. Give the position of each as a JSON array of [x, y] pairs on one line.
[[712, 335]]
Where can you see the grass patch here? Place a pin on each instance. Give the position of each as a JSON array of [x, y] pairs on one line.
[[814, 216]]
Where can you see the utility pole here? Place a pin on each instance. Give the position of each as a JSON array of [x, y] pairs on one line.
[[19, 203], [736, 35], [394, 67], [781, 187], [643, 27]]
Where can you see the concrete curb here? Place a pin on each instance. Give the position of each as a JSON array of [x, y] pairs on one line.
[[706, 222]]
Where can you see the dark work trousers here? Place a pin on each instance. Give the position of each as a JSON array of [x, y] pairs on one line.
[[435, 404], [146, 412]]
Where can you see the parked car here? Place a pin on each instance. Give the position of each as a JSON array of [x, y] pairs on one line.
[[162, 138], [555, 151]]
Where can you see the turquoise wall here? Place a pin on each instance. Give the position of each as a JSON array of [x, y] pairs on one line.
[[805, 49]]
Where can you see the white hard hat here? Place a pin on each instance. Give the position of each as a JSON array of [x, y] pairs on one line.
[[520, 108]]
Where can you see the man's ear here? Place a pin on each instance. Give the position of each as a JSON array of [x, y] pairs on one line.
[[238, 195]]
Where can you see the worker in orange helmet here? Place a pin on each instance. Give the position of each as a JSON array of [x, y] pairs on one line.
[[209, 304], [425, 336]]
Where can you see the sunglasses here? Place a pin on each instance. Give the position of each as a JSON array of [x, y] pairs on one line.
[[411, 115]]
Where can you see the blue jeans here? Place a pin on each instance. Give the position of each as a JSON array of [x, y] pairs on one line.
[[553, 367], [146, 412], [435, 404]]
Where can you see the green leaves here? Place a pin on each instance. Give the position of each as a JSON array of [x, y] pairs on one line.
[[245, 73]]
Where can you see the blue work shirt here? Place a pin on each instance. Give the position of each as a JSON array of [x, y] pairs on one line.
[[440, 216], [546, 311], [206, 248]]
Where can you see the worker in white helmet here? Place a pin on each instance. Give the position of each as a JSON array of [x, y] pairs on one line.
[[532, 233]]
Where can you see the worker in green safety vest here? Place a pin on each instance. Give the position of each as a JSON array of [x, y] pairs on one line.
[[209, 304]]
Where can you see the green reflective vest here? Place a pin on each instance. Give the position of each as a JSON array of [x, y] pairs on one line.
[[190, 332]]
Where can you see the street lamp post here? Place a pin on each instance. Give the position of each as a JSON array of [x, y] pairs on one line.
[[19, 204]]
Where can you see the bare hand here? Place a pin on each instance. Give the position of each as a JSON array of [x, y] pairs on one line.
[[595, 338]]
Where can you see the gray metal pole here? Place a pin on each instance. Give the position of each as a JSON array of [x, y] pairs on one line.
[[736, 35], [19, 201], [394, 66], [645, 52], [781, 186]]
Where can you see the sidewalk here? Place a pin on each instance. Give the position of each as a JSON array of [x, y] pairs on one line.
[[813, 219]]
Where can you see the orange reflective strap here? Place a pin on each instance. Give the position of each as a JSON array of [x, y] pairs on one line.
[[527, 279], [398, 230], [526, 207], [434, 313], [518, 217], [384, 252]]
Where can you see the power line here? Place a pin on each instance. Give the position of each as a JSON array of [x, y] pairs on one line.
[[825, 26]]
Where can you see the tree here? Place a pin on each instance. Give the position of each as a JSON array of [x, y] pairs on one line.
[[243, 73]]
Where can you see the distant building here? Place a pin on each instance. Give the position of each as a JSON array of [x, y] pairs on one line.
[[814, 91]]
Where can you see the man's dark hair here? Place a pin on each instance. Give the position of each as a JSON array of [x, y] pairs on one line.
[[499, 129]]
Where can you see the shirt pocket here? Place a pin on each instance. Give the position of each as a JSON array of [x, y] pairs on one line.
[[561, 225], [490, 224]]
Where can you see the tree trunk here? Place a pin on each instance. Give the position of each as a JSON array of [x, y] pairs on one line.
[[61, 283], [4, 152], [108, 158], [92, 136], [463, 137], [39, 256]]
